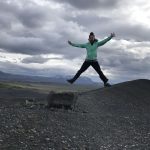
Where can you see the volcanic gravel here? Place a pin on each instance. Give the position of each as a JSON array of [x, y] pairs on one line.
[[115, 118]]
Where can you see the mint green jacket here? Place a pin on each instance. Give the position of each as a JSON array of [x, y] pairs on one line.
[[92, 48]]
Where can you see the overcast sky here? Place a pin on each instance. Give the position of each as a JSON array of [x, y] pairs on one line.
[[34, 35]]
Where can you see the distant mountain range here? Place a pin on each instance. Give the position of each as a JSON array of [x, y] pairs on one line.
[[41, 79]]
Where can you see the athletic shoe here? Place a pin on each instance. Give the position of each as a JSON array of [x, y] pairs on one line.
[[70, 81], [107, 84]]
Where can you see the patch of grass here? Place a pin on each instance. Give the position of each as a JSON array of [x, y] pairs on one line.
[[46, 88], [2, 85], [10, 85]]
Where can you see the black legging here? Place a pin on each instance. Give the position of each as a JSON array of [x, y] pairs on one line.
[[95, 65]]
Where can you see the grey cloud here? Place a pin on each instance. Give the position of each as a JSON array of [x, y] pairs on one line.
[[132, 32], [18, 69], [38, 59], [22, 44], [35, 46], [30, 37], [139, 44], [33, 40], [37, 41], [102, 26], [14, 68], [33, 17], [35, 59], [90, 20], [8, 7], [7, 17], [71, 53], [30, 15], [124, 62], [91, 4], [5, 22]]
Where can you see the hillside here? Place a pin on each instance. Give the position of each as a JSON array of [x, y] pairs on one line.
[[107, 118]]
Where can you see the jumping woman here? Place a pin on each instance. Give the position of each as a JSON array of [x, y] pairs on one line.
[[91, 58]]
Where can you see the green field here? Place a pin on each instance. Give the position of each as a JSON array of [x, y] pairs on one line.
[[46, 88]]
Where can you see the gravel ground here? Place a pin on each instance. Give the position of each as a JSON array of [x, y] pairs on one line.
[[115, 118]]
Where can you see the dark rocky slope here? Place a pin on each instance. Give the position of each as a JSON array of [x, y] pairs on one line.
[[104, 119]]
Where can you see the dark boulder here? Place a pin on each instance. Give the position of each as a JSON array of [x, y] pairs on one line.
[[64, 100]]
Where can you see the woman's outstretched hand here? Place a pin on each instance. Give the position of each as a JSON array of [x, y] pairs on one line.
[[69, 42], [112, 35]]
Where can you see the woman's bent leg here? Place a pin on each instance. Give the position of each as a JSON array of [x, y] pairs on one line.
[[84, 66]]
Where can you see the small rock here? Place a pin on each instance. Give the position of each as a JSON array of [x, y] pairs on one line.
[[47, 139]]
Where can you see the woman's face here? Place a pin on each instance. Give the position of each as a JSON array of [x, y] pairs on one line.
[[91, 38]]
